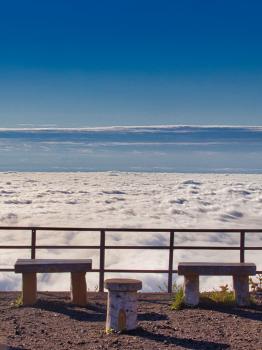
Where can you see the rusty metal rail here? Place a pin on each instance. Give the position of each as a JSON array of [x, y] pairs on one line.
[[102, 247]]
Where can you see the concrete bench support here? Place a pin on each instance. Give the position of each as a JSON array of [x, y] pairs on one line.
[[241, 289], [239, 271], [78, 288], [29, 288], [191, 289], [122, 304], [30, 267]]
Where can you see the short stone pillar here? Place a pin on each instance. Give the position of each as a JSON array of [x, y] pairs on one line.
[[122, 304], [191, 290], [241, 289]]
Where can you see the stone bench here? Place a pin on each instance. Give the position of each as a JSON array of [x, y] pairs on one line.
[[122, 304], [239, 271], [30, 267]]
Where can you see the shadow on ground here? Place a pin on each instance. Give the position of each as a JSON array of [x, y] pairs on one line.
[[6, 347], [186, 343], [91, 313], [253, 312]]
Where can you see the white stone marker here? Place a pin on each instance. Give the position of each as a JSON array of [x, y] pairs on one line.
[[122, 304]]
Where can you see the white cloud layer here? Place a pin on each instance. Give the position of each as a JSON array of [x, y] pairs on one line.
[[128, 200]]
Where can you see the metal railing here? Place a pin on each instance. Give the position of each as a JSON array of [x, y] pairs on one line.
[[102, 247]]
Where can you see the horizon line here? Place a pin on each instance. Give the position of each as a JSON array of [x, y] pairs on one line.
[[128, 127]]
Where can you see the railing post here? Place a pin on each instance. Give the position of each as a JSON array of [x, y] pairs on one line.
[[242, 246], [33, 242], [170, 263], [102, 261]]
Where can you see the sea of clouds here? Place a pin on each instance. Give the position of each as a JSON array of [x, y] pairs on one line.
[[164, 148], [128, 200]]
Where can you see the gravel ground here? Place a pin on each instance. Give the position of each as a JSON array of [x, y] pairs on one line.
[[54, 323]]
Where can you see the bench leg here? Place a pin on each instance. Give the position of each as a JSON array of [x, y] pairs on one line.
[[29, 288], [78, 288], [241, 289], [191, 290]]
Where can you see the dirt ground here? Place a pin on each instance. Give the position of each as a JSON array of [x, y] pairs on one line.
[[54, 323]]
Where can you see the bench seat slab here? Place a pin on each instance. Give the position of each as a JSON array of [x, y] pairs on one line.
[[52, 265], [216, 269]]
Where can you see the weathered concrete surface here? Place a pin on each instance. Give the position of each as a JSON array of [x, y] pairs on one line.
[[123, 284], [29, 288], [53, 265], [216, 269], [78, 288], [191, 290], [121, 311], [241, 289], [122, 304]]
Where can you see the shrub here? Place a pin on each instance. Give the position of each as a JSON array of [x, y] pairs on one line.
[[18, 302], [178, 297], [224, 295]]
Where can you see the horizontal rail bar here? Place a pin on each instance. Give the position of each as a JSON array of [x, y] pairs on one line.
[[204, 247], [253, 248], [136, 247], [132, 271], [49, 228], [97, 247], [125, 247], [179, 230], [15, 246], [112, 270], [118, 270], [146, 271], [67, 247]]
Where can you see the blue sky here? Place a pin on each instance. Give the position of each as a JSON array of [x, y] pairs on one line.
[[94, 63]]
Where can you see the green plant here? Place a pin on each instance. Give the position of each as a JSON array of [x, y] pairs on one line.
[[224, 295], [110, 331], [177, 295], [18, 302], [178, 298]]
